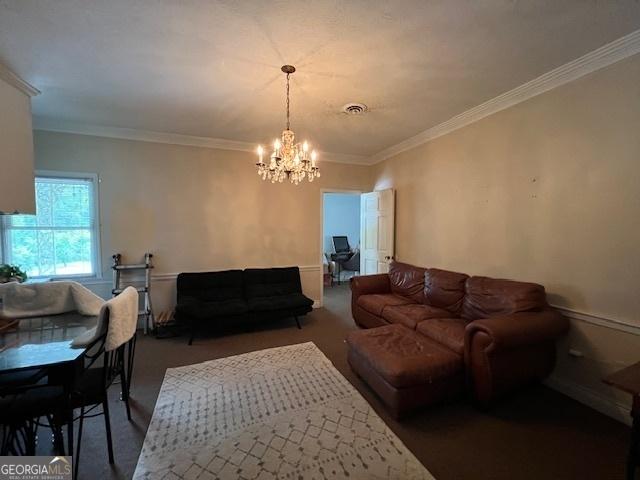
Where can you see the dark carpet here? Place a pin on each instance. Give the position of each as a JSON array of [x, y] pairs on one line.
[[535, 434]]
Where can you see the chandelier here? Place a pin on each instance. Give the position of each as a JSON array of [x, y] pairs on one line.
[[288, 159]]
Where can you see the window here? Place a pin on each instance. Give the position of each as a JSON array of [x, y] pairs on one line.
[[62, 239]]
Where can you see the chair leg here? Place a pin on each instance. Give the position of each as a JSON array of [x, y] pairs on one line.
[[130, 359], [125, 391], [7, 436], [70, 433], [80, 424], [107, 425], [297, 322], [32, 437], [58, 438]]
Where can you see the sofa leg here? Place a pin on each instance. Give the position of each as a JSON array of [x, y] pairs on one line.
[[297, 322]]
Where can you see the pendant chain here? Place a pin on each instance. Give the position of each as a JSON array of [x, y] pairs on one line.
[[288, 124]]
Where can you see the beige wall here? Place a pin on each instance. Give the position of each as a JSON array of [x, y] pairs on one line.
[[546, 191], [198, 208]]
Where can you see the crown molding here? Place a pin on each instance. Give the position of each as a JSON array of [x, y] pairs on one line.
[[595, 60], [173, 139], [140, 135], [15, 81]]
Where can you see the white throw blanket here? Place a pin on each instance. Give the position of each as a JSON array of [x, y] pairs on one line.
[[48, 298], [122, 321]]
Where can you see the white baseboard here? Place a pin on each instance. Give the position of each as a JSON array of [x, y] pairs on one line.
[[603, 404]]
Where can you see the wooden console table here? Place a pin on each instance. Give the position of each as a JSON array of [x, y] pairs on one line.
[[628, 380]]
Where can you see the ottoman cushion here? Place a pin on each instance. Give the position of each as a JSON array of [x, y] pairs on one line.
[[403, 357]]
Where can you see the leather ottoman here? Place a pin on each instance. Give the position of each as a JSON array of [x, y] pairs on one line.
[[406, 369]]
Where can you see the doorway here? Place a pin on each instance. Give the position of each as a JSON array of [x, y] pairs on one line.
[[357, 235], [340, 239]]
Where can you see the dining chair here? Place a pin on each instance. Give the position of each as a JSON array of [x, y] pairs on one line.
[[105, 362]]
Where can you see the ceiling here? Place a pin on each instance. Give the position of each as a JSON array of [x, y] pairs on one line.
[[212, 68]]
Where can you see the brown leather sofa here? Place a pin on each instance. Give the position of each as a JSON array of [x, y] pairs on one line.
[[428, 327]]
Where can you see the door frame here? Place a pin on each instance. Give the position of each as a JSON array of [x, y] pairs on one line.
[[321, 244]]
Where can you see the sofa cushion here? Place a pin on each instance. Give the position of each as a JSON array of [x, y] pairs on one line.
[[211, 286], [279, 302], [488, 297], [407, 281], [377, 302], [444, 289], [269, 282], [446, 331], [199, 309], [402, 357], [412, 314]]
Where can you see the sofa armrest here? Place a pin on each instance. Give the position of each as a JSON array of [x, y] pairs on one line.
[[369, 284], [519, 329], [506, 352]]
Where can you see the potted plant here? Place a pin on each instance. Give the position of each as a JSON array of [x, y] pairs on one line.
[[12, 273]]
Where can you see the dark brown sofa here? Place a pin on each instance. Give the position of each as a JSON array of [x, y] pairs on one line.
[[499, 333]]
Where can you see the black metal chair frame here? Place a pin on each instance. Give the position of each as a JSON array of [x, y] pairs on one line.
[[116, 363], [20, 437]]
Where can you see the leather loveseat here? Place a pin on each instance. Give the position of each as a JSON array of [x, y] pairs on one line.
[[428, 328], [232, 297]]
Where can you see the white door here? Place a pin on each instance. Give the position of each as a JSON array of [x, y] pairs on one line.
[[377, 221]]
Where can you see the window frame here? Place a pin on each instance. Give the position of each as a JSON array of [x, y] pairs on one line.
[[96, 248]]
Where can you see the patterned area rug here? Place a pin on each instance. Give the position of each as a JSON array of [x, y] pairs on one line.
[[278, 413]]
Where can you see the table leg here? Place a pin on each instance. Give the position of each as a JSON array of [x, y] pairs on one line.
[[65, 375], [633, 455]]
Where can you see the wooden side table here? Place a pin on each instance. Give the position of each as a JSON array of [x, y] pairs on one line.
[[628, 380]]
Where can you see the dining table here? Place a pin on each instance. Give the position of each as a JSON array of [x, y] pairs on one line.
[[46, 342]]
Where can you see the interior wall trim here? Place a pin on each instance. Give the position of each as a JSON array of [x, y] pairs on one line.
[[17, 82], [601, 321], [165, 277], [174, 139], [595, 60]]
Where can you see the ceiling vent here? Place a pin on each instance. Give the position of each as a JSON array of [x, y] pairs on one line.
[[355, 108]]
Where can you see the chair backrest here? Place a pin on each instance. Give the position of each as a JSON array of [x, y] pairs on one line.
[[123, 311], [341, 244], [113, 360]]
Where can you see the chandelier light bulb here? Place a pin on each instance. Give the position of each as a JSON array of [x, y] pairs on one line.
[[305, 146]]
